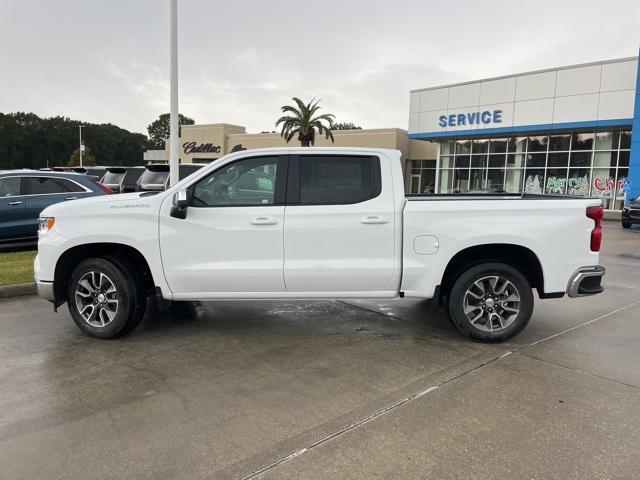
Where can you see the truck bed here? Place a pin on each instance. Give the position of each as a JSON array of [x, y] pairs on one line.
[[533, 221]]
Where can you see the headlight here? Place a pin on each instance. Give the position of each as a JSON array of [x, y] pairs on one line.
[[46, 224]]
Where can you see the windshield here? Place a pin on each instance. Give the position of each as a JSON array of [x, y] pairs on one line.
[[154, 176], [111, 178]]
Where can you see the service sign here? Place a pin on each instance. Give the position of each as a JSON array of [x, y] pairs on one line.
[[470, 118]]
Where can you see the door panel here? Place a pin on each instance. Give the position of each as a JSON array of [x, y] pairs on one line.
[[231, 239], [12, 209], [346, 247], [232, 249]]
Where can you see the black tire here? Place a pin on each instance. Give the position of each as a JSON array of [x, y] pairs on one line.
[[626, 225], [485, 330], [143, 302], [129, 294]]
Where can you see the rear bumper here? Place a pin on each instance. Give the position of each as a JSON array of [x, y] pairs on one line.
[[586, 281]]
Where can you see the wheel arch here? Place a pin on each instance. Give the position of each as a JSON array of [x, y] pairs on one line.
[[74, 255], [519, 257]]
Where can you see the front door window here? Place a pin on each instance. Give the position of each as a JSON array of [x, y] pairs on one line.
[[246, 182]]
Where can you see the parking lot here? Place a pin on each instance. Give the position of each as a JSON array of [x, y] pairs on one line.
[[328, 389]]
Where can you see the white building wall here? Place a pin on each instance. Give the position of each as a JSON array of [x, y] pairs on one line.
[[583, 93], [155, 156]]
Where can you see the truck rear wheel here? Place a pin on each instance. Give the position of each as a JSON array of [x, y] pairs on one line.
[[104, 298], [490, 302]]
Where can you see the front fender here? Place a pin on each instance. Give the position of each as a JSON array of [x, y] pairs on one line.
[[136, 230]]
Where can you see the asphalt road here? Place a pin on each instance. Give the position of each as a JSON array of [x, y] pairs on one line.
[[328, 389]]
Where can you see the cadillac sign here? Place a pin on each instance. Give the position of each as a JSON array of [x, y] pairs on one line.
[[193, 147]]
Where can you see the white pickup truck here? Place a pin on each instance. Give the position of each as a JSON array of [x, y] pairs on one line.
[[316, 223]]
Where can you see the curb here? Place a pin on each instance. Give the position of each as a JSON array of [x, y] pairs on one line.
[[18, 290]]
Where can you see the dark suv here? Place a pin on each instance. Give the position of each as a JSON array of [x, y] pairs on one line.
[[631, 213], [154, 178], [114, 178], [25, 193]]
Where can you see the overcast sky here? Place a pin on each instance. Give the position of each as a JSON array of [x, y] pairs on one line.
[[107, 61]]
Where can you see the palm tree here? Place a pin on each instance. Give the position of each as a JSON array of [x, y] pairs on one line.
[[303, 123]]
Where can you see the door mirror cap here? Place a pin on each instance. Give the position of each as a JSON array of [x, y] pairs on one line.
[[180, 204], [180, 199]]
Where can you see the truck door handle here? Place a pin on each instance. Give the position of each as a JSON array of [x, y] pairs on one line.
[[264, 221], [71, 198], [373, 220], [15, 203]]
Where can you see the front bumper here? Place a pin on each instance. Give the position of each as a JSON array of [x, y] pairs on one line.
[[586, 281], [631, 215], [45, 290]]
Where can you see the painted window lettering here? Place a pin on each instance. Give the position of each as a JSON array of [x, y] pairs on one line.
[[470, 118]]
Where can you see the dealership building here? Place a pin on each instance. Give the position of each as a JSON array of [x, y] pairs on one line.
[[204, 143], [562, 131]]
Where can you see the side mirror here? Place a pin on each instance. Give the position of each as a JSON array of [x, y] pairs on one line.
[[180, 204]]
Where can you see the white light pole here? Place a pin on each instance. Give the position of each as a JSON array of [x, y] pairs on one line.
[[173, 116], [81, 145]]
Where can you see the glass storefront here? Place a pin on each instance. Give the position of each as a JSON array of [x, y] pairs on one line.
[[573, 163]]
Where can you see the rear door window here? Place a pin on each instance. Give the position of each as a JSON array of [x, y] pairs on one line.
[[335, 180], [50, 185], [10, 187]]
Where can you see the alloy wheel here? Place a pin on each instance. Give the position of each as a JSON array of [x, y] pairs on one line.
[[491, 303], [96, 299]]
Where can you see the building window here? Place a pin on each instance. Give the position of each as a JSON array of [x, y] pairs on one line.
[[423, 175], [573, 163]]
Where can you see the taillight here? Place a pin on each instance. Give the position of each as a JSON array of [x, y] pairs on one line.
[[595, 214], [105, 188]]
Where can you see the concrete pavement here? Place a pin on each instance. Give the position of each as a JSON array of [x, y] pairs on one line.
[[357, 389]]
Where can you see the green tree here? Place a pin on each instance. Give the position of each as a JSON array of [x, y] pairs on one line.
[[159, 129], [87, 158], [28, 141], [302, 122], [345, 126]]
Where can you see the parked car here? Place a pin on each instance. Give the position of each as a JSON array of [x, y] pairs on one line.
[[82, 170], [96, 171], [114, 178], [25, 193], [317, 223], [62, 169], [131, 178], [631, 213], [186, 169], [154, 178]]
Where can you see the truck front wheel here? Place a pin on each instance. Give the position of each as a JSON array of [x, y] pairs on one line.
[[104, 298], [490, 302]]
